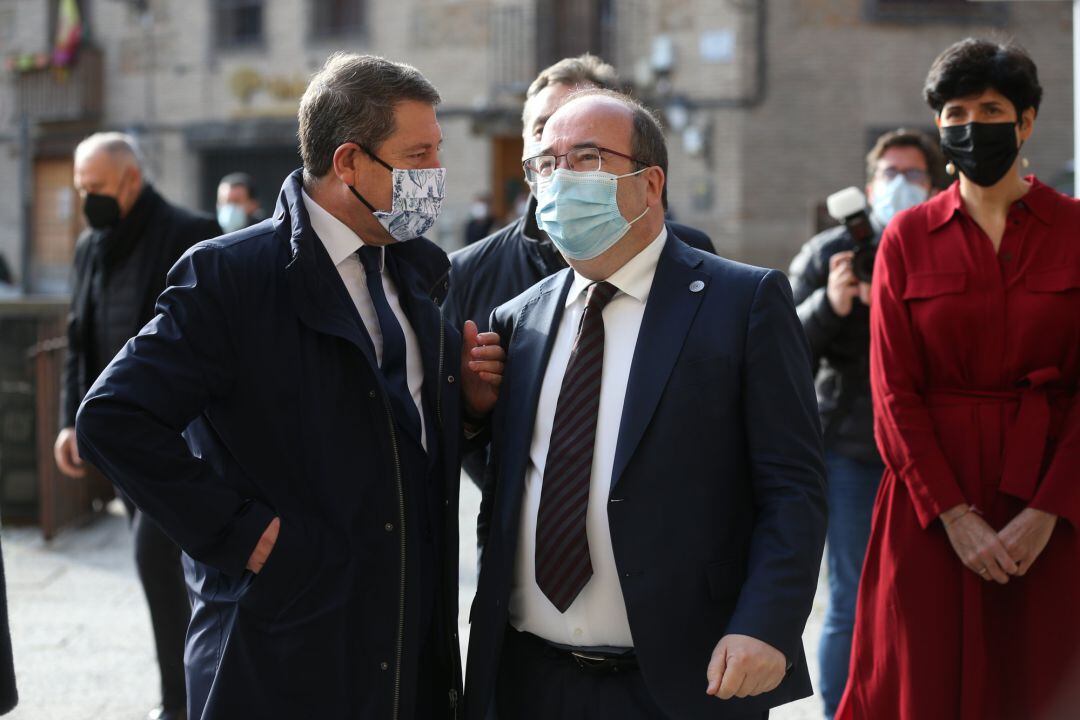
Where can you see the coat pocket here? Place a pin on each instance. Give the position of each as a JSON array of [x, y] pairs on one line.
[[287, 571], [924, 285]]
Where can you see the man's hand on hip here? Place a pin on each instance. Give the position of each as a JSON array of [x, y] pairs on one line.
[[263, 549], [66, 454], [742, 666]]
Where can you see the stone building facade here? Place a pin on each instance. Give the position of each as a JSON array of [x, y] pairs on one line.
[[771, 104]]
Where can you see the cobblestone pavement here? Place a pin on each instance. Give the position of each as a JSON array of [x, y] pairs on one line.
[[81, 631]]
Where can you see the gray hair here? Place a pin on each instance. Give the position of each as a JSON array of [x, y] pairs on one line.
[[352, 99], [585, 70], [123, 148], [647, 142]]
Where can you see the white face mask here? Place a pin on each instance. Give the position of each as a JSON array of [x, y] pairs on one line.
[[416, 202], [892, 196], [231, 217]]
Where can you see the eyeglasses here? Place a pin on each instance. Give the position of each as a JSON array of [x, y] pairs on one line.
[[912, 175], [585, 159]]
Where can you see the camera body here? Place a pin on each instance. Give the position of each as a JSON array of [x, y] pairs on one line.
[[849, 207]]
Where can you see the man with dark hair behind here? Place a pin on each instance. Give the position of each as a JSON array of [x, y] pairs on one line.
[[500, 267], [321, 397], [903, 169], [238, 202]]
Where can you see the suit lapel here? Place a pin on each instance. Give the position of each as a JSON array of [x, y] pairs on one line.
[[534, 335], [673, 303]]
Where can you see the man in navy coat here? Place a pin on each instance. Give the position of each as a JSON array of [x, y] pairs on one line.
[[321, 398], [653, 528]]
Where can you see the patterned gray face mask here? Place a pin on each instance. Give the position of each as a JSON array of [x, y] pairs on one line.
[[416, 202]]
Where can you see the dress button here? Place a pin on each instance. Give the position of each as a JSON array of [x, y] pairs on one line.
[[1006, 256], [384, 665], [578, 632], [371, 394], [389, 527], [450, 379]]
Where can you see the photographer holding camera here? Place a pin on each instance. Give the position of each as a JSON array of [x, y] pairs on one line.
[[830, 279]]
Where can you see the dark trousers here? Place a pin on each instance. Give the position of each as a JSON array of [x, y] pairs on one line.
[[158, 561], [537, 682]]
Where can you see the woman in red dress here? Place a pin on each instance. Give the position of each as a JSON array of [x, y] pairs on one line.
[[969, 604]]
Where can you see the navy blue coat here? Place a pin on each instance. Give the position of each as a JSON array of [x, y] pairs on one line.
[[717, 504], [258, 355]]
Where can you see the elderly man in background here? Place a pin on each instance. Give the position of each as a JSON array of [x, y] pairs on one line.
[[121, 260]]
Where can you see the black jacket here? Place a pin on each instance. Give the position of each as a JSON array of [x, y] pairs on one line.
[[840, 347], [125, 266]]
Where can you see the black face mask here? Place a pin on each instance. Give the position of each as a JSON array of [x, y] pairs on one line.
[[102, 211], [984, 152]]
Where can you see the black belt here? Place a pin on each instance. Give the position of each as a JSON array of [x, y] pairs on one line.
[[591, 661]]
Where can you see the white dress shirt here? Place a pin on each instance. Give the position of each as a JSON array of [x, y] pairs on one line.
[[597, 617], [341, 244]]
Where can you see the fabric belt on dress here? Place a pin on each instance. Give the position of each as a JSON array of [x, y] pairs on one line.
[[1026, 436]]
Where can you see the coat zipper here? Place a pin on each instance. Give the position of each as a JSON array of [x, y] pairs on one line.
[[401, 527]]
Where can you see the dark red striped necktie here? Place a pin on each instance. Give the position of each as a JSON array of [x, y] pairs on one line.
[[563, 566]]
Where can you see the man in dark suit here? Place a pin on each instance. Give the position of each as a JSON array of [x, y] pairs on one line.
[[653, 533], [121, 260], [515, 258], [321, 396]]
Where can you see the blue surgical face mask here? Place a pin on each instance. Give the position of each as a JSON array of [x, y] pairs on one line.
[[579, 211], [231, 217], [892, 196]]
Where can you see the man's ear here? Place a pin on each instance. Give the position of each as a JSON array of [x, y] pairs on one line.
[[656, 179], [347, 163]]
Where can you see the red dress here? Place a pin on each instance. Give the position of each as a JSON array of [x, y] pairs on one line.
[[974, 366]]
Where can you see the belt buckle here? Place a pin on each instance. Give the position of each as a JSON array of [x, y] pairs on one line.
[[589, 662]]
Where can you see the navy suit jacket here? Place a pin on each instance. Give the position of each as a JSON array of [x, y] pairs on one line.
[[258, 356], [717, 503]]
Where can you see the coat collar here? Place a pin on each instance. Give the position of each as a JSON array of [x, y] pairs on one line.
[[427, 262], [320, 297]]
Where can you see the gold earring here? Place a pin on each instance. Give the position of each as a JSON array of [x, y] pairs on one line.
[[1025, 163], [950, 168]]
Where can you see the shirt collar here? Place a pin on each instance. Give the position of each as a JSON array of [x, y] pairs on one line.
[[340, 242], [1039, 200], [634, 278]]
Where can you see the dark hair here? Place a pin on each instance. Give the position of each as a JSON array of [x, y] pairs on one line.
[[240, 179], [972, 66], [647, 142], [352, 99], [935, 161]]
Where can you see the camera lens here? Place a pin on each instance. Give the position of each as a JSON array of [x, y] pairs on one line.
[[863, 262]]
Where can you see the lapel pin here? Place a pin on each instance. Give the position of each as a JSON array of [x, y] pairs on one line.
[[697, 286]]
